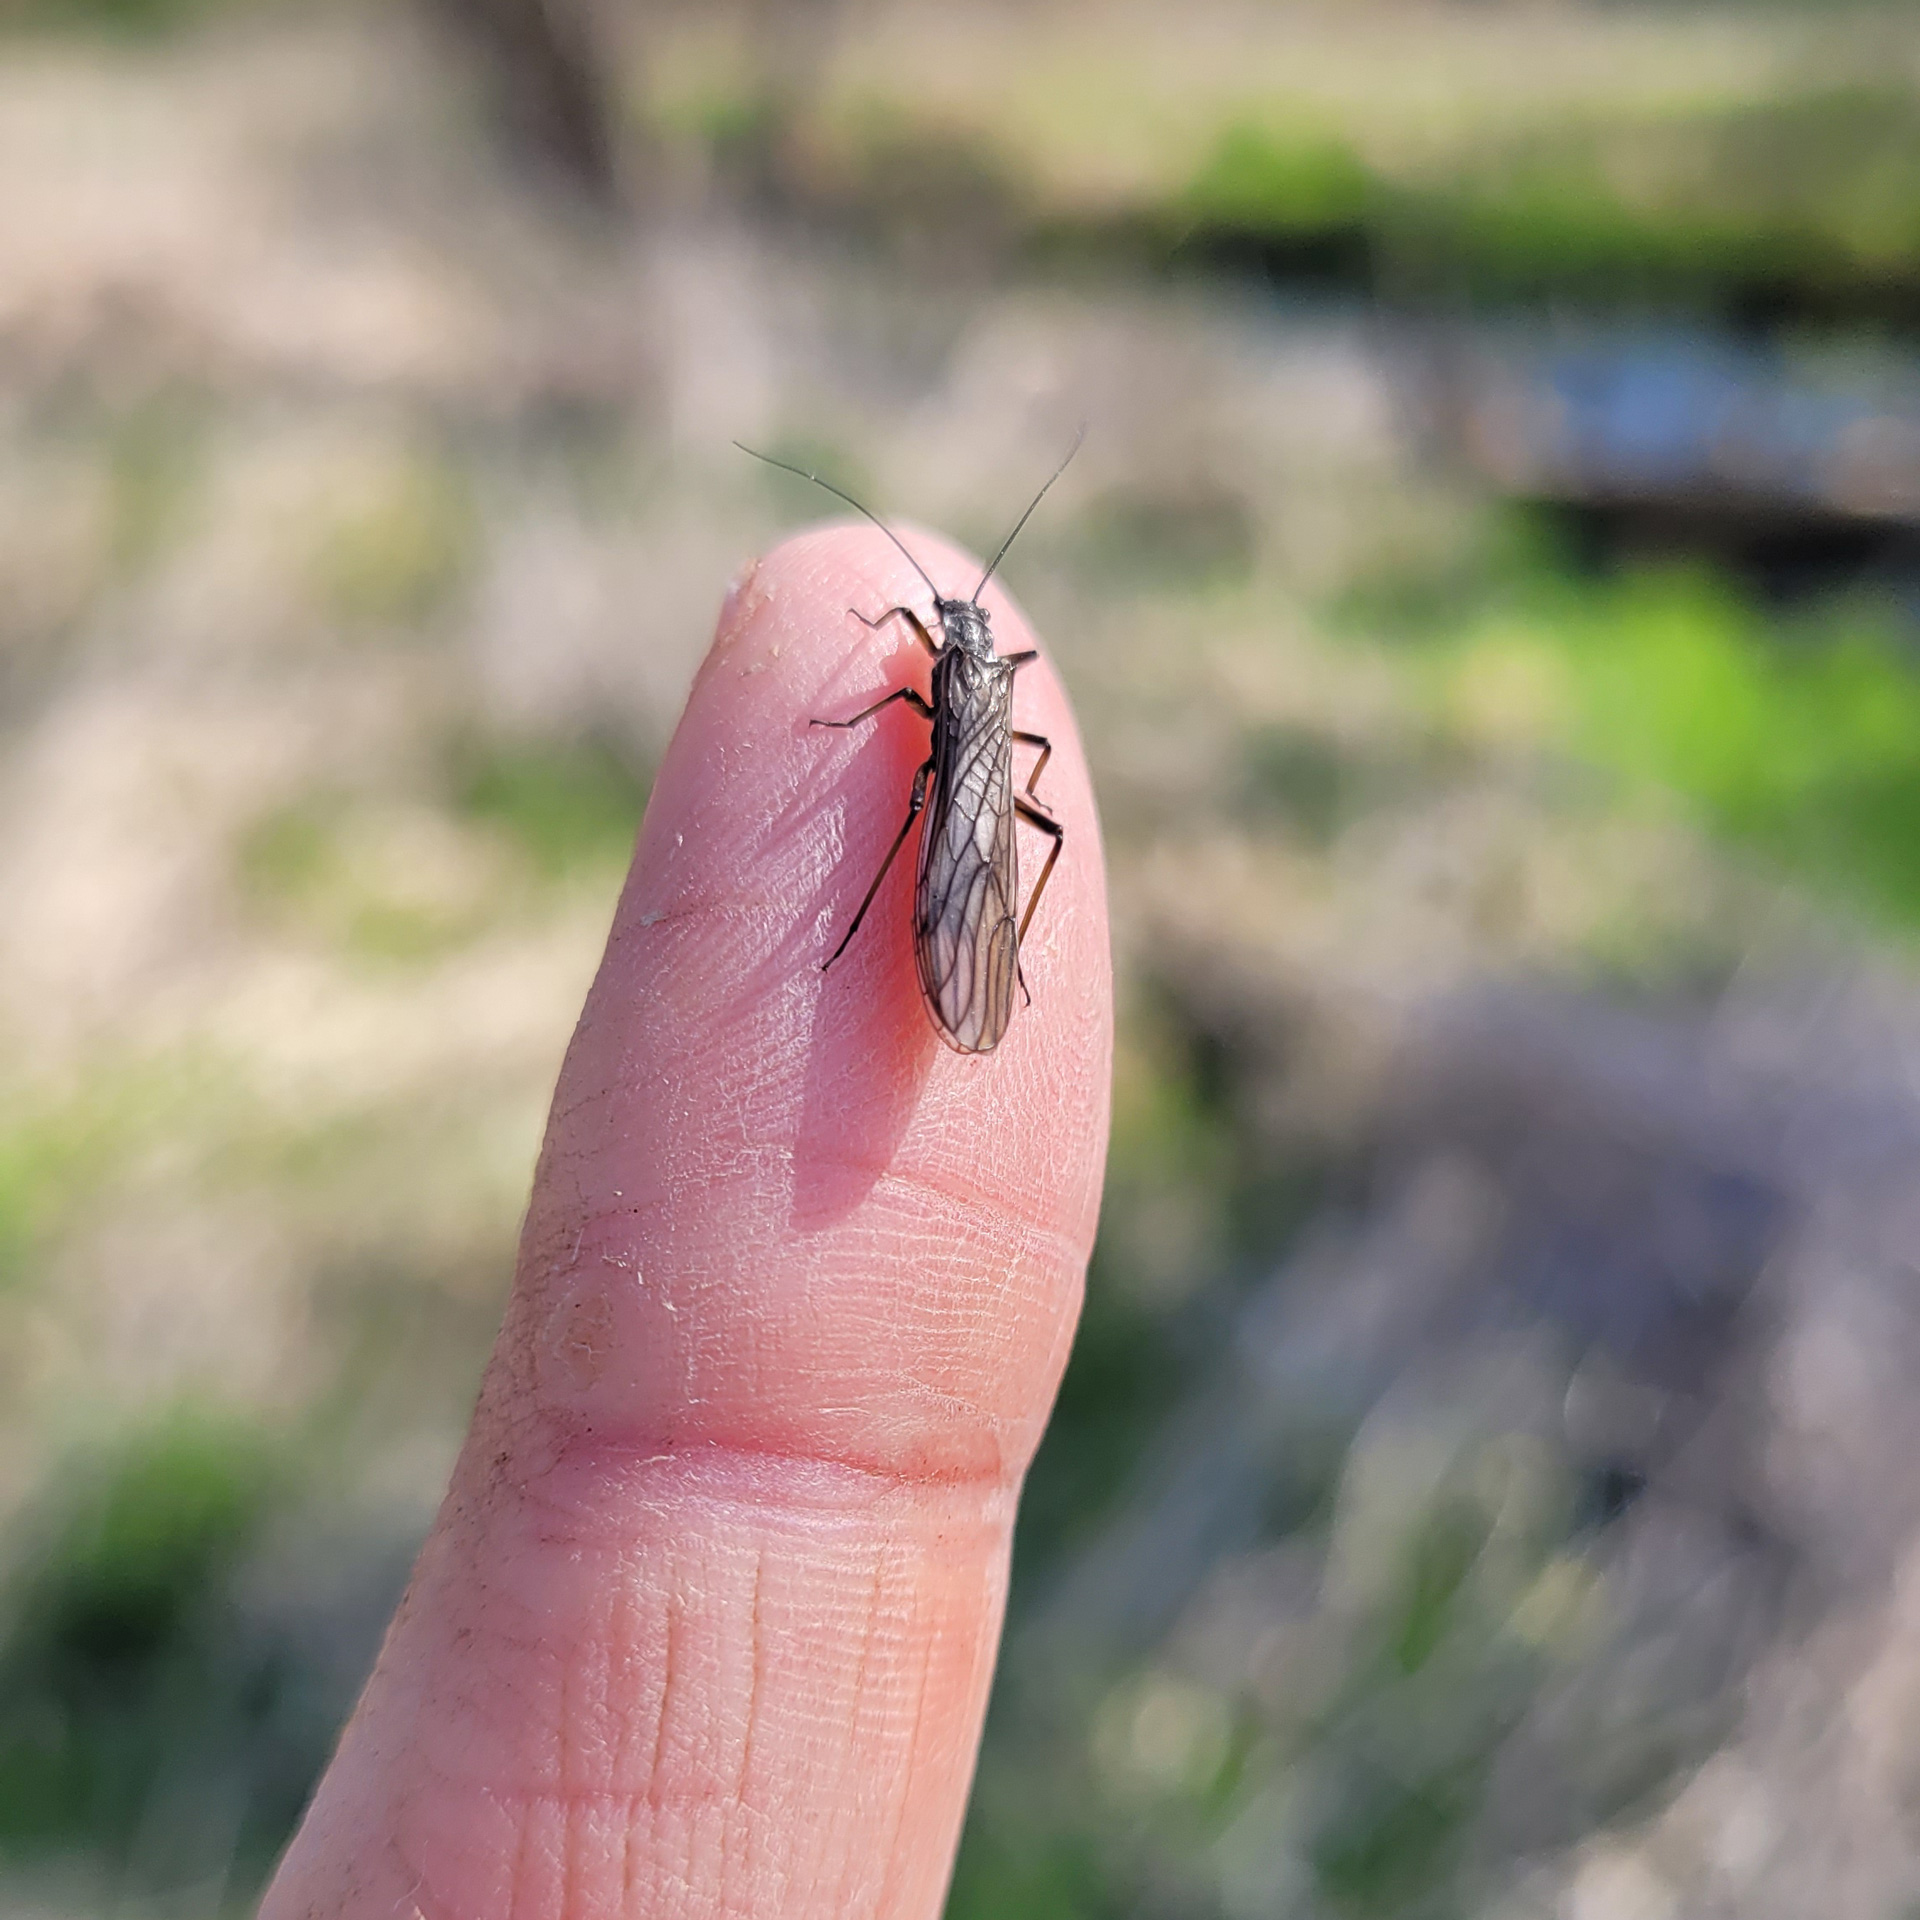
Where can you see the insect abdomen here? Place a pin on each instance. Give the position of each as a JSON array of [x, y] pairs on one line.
[[969, 982], [966, 944]]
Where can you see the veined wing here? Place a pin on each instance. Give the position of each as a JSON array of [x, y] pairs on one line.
[[965, 941]]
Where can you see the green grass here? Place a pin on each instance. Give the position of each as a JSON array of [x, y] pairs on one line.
[[112, 1660], [1807, 190], [1281, 184], [566, 808], [318, 868], [289, 853], [1787, 186], [1394, 1848], [48, 1161], [1034, 1872], [377, 880], [1795, 737], [61, 1147], [126, 19], [154, 457], [400, 549]]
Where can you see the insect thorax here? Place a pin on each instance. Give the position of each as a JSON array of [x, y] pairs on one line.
[[963, 624]]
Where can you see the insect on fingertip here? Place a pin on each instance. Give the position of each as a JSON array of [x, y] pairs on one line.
[[967, 927]]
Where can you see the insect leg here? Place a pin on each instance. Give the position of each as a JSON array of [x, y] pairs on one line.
[[1032, 814], [1018, 660], [1045, 745], [907, 694], [909, 616], [915, 801]]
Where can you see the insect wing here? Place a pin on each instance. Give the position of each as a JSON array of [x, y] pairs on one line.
[[965, 942]]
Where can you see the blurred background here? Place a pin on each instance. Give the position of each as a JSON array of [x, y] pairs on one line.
[[1484, 1483]]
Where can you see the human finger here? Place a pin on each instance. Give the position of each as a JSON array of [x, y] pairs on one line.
[[706, 1623]]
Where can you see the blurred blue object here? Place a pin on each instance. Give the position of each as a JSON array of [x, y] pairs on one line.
[[1671, 418]]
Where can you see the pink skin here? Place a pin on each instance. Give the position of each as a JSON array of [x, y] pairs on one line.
[[706, 1624]]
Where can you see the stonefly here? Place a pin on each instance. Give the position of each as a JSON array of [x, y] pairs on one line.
[[966, 939]]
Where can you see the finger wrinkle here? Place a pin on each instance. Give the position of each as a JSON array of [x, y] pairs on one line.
[[994, 1219], [757, 1678], [698, 1850], [896, 1862], [629, 1802], [584, 1467], [995, 1212]]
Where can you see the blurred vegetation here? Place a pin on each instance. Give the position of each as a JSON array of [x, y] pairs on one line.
[[1175, 1171], [1348, 1774], [142, 19], [66, 1143], [400, 547], [1798, 201], [1779, 186], [346, 875], [1793, 731], [129, 1718], [391, 879], [48, 1161], [154, 460], [1309, 703], [1178, 540], [567, 809]]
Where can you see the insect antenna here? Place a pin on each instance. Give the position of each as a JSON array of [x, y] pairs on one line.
[[1028, 515], [800, 473]]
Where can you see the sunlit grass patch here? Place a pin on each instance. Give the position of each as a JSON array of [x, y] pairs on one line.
[[391, 878], [62, 1146], [1797, 736], [1433, 160], [1281, 183], [48, 1161], [154, 459], [1804, 189], [380, 880], [566, 808], [399, 546]]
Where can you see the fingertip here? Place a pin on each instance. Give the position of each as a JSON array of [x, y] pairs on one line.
[[784, 1147]]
